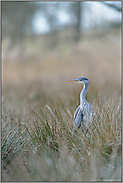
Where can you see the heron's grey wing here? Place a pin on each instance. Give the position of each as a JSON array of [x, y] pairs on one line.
[[78, 117]]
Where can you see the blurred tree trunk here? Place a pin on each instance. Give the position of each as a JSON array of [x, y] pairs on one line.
[[77, 12]]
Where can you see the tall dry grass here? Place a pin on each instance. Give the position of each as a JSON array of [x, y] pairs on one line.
[[38, 136], [37, 141]]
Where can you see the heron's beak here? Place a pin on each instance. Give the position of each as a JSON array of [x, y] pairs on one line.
[[72, 80]]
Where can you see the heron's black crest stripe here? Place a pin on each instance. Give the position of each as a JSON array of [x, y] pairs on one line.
[[83, 78]]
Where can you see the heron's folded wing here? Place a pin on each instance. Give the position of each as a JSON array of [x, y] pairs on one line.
[[78, 117]]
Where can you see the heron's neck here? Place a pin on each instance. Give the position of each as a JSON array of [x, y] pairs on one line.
[[83, 92]]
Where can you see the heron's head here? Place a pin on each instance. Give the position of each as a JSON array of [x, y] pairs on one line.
[[81, 80]]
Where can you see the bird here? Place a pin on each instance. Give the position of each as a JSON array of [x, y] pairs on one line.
[[83, 115]]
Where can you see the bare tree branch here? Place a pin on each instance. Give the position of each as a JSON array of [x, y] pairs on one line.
[[113, 6]]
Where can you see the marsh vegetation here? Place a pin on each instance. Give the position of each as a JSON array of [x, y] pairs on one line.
[[38, 105]]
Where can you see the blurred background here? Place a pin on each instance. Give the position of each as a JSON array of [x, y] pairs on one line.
[[51, 42]]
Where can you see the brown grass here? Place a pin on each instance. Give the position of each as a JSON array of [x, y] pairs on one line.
[[38, 106]]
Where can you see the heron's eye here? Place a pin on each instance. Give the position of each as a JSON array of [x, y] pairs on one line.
[[80, 79]]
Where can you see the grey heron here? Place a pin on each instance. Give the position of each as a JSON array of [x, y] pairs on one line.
[[83, 115]]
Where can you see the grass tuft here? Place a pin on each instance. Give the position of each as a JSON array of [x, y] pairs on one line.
[[48, 149]]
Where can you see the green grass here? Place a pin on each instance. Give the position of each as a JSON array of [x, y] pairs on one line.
[[38, 143]]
